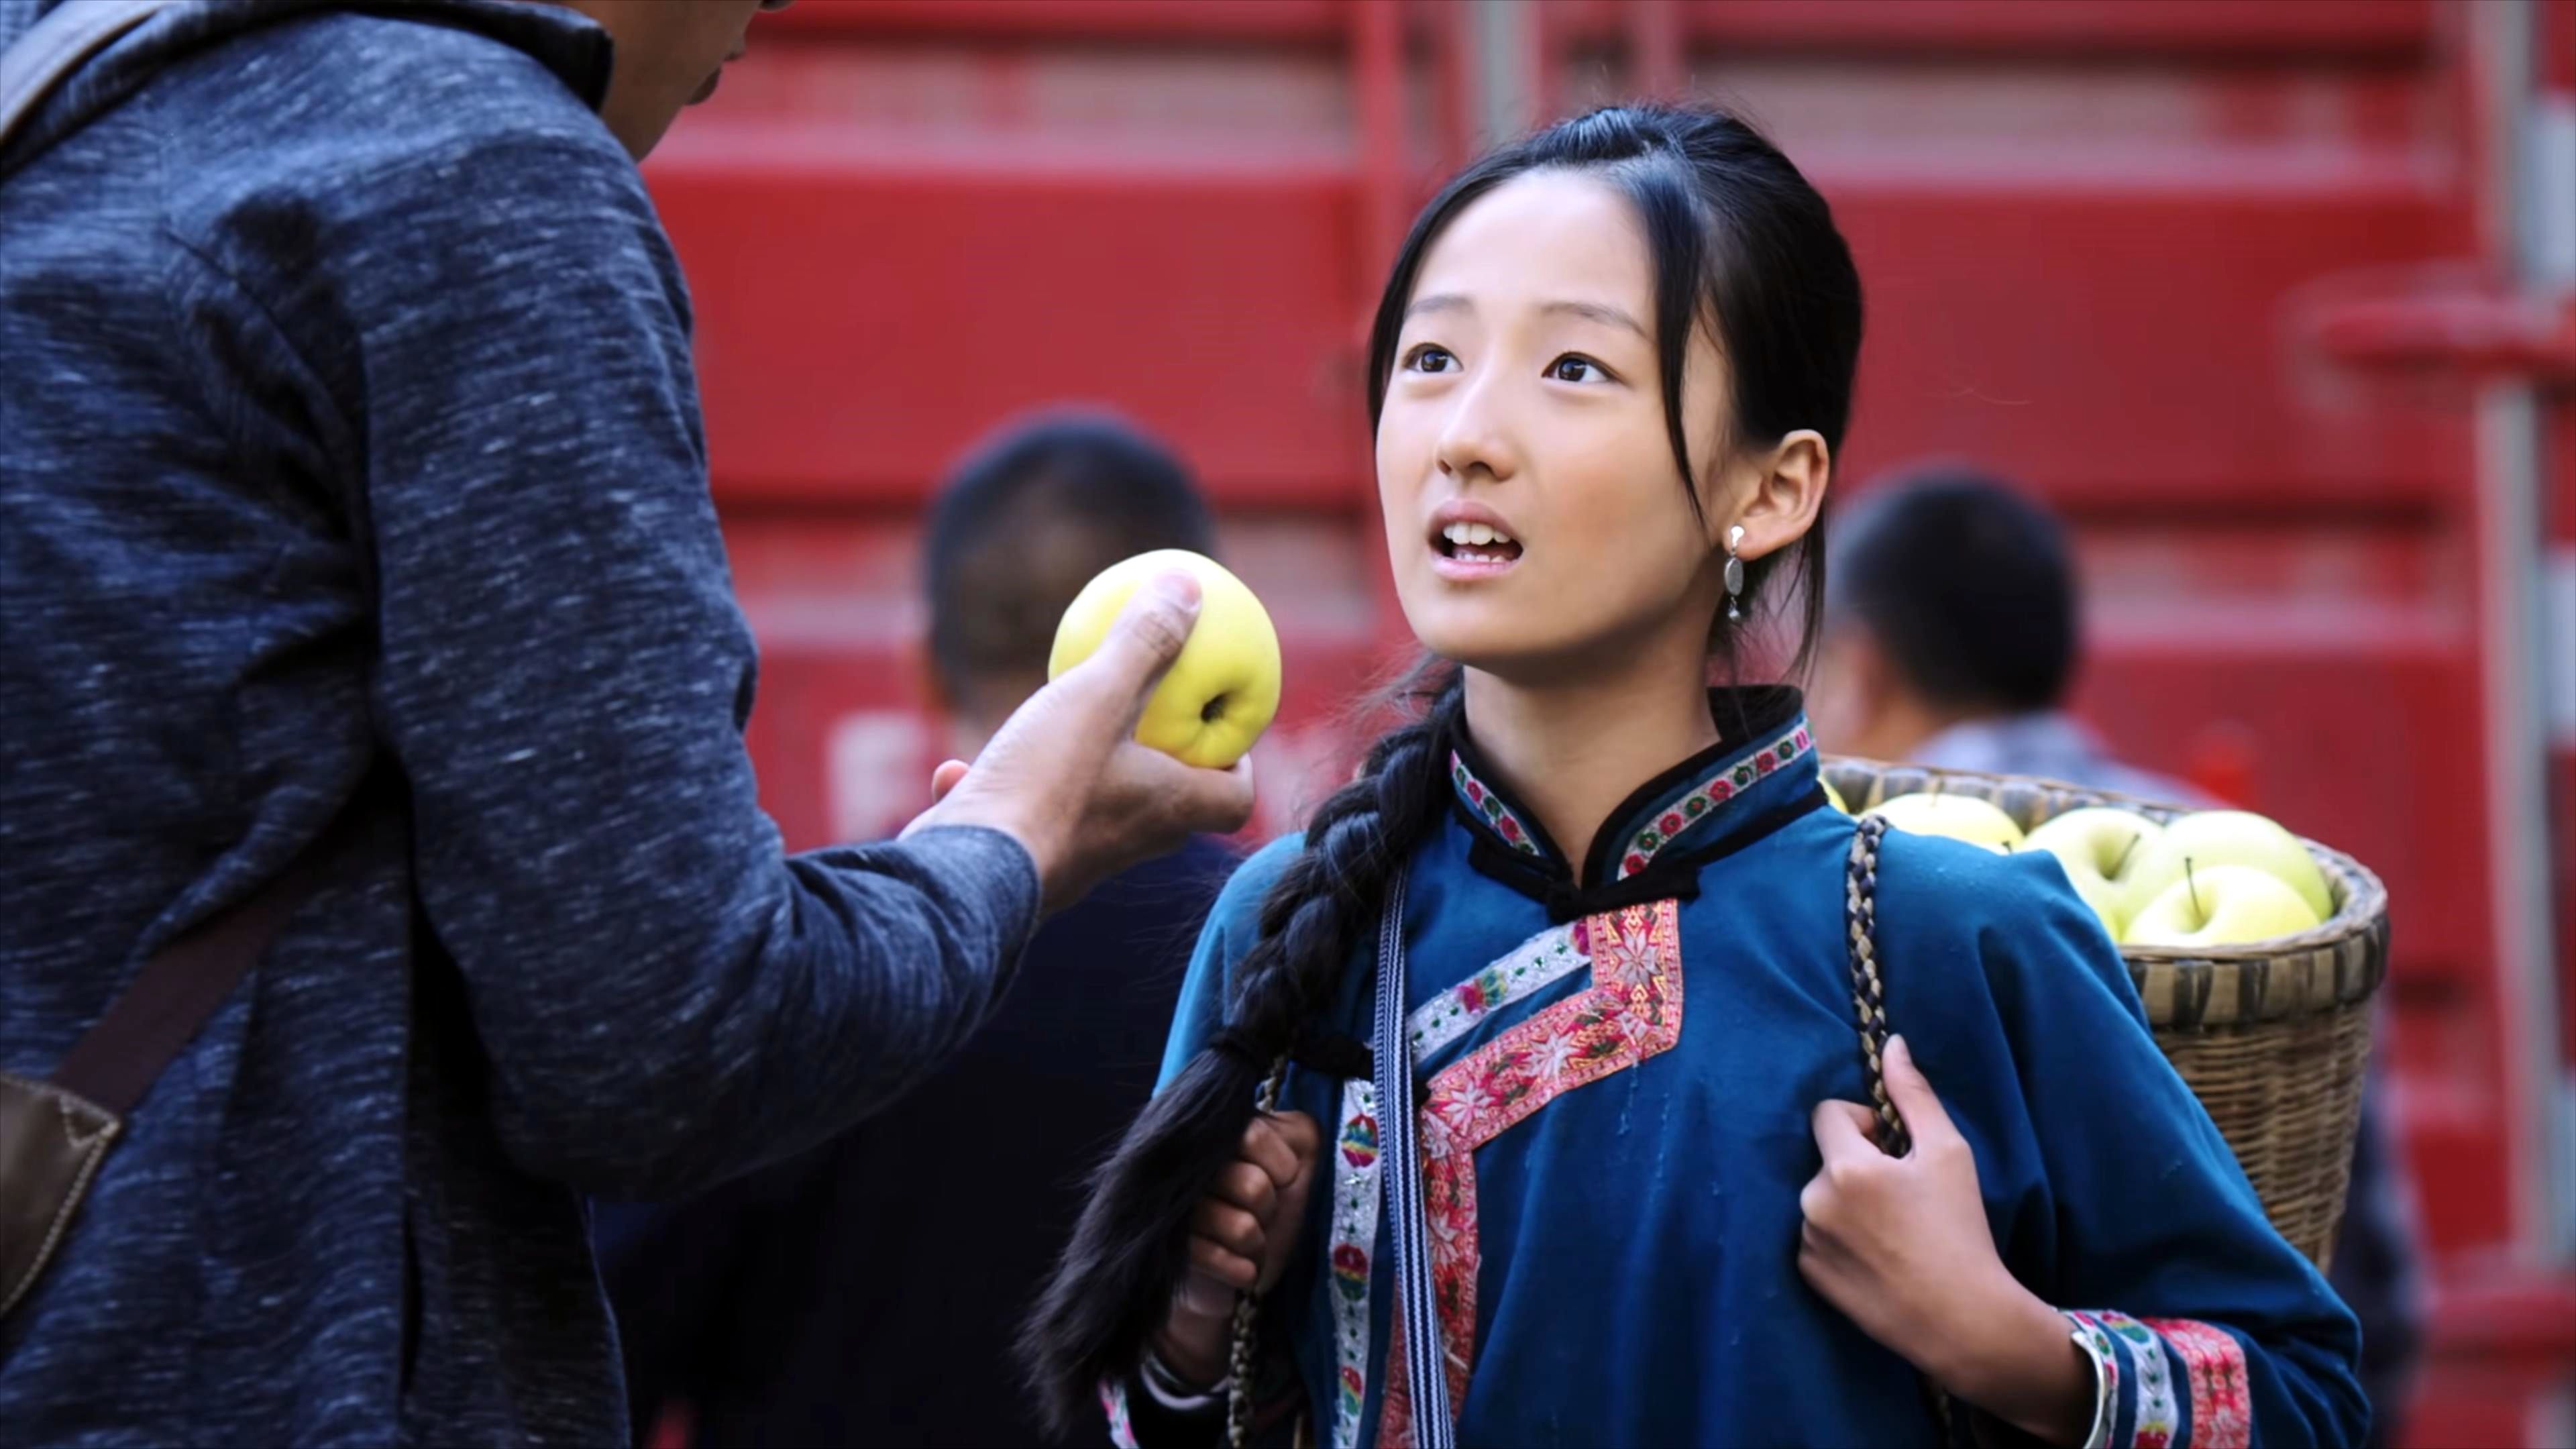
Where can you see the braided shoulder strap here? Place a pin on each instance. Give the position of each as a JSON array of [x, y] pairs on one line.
[[1869, 1005], [1869, 997]]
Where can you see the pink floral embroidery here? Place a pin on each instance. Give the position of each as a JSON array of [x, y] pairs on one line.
[[1715, 791], [2214, 1363], [1631, 1011]]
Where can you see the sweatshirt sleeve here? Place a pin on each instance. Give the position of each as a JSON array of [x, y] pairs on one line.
[[2206, 1327], [664, 997]]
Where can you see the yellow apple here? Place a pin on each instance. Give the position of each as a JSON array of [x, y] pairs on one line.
[[2227, 837], [1222, 691], [2223, 905], [2101, 848], [1834, 797], [1960, 817]]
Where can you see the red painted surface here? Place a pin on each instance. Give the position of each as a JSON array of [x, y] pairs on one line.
[[2148, 257]]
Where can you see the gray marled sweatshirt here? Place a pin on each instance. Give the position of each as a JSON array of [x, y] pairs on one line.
[[347, 423]]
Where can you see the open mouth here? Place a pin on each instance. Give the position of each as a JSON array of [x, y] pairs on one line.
[[1477, 544]]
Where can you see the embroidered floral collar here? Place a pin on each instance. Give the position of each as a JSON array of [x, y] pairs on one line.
[[1760, 773]]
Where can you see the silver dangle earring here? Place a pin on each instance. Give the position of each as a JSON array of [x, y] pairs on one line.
[[1734, 572]]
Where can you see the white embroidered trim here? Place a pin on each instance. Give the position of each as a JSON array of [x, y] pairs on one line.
[[1547, 957], [1350, 1266], [2159, 1415], [2106, 1378]]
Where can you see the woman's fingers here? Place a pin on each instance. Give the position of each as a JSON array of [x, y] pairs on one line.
[[1926, 1120], [1214, 1261], [1280, 1145], [1845, 1132], [1229, 1227], [1247, 1187]]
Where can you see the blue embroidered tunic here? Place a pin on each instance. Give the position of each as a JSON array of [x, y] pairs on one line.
[[1620, 1077]]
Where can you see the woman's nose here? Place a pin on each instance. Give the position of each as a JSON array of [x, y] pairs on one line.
[[1478, 437]]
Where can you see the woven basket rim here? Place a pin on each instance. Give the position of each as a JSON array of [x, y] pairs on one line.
[[2362, 909]]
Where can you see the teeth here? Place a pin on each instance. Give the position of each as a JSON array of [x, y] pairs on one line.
[[1474, 535]]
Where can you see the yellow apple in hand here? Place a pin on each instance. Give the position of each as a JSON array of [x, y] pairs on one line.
[[2227, 837], [1960, 817], [1223, 690], [2223, 905], [2101, 848]]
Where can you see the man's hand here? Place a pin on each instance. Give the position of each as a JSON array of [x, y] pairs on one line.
[[1065, 777]]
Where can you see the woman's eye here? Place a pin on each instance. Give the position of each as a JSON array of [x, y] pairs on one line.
[[1428, 358], [1571, 368]]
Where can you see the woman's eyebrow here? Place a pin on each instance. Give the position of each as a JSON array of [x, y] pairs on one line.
[[1602, 313], [1439, 302]]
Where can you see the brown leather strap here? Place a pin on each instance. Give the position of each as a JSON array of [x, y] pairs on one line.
[[146, 1027]]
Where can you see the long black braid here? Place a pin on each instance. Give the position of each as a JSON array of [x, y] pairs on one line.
[[1116, 1280]]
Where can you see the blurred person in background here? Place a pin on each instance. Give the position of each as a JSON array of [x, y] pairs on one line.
[[1953, 635], [868, 1292], [371, 639]]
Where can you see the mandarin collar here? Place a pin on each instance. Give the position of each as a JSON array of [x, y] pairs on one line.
[[1761, 774]]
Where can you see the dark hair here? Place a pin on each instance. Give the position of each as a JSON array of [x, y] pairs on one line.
[[1741, 241], [1027, 519], [1967, 585]]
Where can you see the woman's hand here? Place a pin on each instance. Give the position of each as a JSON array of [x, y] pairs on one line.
[[1241, 1238], [1901, 1246]]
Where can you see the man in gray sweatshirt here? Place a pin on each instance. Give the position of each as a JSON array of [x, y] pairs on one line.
[[352, 482]]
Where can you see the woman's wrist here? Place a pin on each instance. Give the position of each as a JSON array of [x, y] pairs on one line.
[[2018, 1361], [1192, 1348]]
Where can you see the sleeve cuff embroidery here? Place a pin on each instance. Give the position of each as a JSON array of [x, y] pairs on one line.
[[1171, 1393], [1113, 1402], [2141, 1406], [2106, 1378], [1168, 1398]]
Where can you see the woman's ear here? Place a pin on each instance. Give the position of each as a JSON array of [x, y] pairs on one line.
[[1785, 492]]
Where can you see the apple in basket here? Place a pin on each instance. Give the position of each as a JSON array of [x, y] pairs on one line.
[[2221, 906], [1960, 817], [2102, 848], [2226, 837]]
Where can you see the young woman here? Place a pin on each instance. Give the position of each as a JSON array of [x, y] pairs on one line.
[[1609, 376]]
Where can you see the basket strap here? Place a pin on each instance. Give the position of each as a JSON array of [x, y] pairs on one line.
[[1869, 1006], [1869, 998]]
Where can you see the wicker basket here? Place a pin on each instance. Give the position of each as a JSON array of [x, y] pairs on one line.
[[2272, 1037]]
